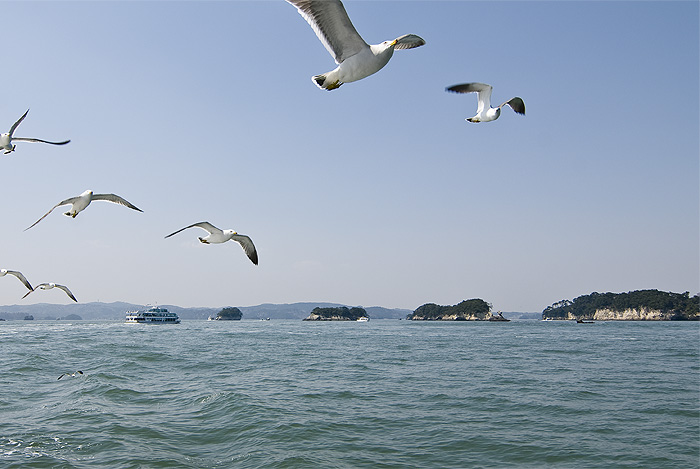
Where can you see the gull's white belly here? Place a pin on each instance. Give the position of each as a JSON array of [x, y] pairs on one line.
[[5, 143], [217, 238], [361, 65]]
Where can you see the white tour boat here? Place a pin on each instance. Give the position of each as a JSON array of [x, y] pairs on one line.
[[154, 315]]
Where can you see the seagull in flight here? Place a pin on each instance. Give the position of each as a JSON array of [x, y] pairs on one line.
[[484, 111], [7, 139], [217, 236], [72, 375], [81, 202], [49, 286], [355, 58], [17, 274]]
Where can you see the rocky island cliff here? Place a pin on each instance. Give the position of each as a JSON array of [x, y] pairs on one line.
[[641, 305], [468, 310]]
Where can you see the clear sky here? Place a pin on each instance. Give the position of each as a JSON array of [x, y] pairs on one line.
[[375, 194]]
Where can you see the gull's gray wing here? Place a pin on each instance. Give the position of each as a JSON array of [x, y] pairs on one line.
[[116, 199], [23, 139], [21, 277], [517, 104], [68, 292], [202, 224], [65, 202], [248, 246], [409, 41], [331, 23], [14, 126]]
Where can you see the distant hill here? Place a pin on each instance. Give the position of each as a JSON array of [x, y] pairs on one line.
[[117, 310]]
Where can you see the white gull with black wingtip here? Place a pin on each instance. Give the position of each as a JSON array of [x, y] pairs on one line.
[[81, 202], [484, 111], [49, 286], [7, 138], [355, 58], [217, 236]]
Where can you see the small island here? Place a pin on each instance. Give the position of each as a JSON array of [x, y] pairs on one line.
[[229, 314], [342, 313], [475, 309], [640, 305], [70, 317]]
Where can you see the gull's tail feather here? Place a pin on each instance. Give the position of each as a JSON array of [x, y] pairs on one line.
[[323, 83], [319, 80]]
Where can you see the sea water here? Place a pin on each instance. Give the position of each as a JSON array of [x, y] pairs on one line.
[[382, 394]]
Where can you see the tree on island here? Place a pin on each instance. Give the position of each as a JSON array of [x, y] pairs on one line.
[[677, 306], [342, 313], [229, 314], [467, 309]]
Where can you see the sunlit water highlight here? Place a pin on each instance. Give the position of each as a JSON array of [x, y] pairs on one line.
[[386, 393]]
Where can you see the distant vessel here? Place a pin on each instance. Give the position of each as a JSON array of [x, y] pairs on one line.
[[363, 319], [154, 315]]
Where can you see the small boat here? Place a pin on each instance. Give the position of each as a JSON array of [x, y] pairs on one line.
[[363, 319], [154, 315], [581, 321], [498, 318]]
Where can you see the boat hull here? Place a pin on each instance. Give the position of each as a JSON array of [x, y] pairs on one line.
[[152, 316]]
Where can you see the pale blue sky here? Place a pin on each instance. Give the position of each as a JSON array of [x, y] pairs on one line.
[[378, 193]]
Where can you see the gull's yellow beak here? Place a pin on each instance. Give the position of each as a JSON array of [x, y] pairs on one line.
[[393, 43]]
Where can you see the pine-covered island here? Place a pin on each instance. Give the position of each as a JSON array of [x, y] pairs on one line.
[[475, 309], [342, 313], [229, 314], [640, 305]]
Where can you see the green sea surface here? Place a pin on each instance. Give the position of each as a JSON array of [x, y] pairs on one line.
[[381, 394]]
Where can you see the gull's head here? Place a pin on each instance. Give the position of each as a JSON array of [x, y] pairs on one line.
[[386, 47], [87, 192]]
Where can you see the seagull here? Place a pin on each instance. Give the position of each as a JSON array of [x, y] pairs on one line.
[[6, 139], [484, 111], [17, 274], [49, 286], [72, 375], [217, 236], [355, 58], [81, 202]]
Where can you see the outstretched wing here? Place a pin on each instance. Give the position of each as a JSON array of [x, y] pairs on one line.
[[14, 126], [68, 292], [409, 41], [116, 199], [33, 290], [517, 104], [331, 23], [248, 246], [202, 224], [24, 139], [72, 200], [483, 89], [21, 277]]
